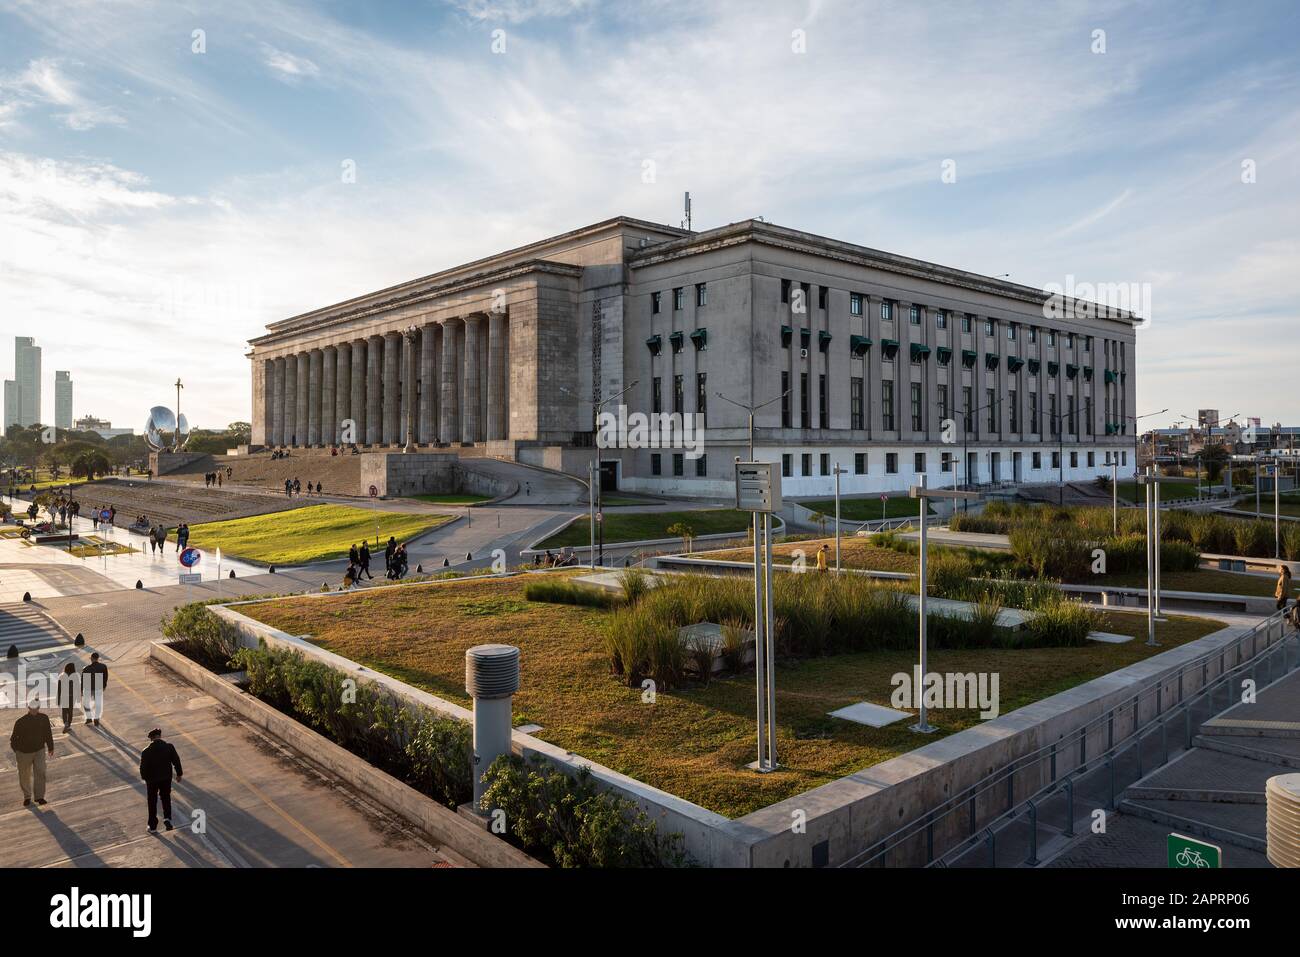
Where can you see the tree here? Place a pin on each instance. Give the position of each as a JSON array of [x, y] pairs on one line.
[[684, 532], [91, 464], [1215, 458], [243, 431]]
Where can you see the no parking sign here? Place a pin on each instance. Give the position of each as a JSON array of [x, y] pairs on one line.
[[190, 557]]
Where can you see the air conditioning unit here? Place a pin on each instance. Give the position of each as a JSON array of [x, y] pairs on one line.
[[803, 353]]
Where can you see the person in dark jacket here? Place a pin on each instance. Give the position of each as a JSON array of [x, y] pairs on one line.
[[31, 740], [94, 683], [156, 763], [364, 560], [388, 556], [67, 693]]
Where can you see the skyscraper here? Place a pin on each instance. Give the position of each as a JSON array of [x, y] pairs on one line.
[[12, 413], [27, 376], [62, 399]]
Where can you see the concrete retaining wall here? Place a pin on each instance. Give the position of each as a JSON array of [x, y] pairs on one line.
[[440, 824]]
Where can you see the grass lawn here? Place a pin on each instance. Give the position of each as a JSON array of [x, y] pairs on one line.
[[1204, 579], [311, 534], [855, 552], [695, 741], [636, 526], [867, 509], [465, 499], [1170, 488]]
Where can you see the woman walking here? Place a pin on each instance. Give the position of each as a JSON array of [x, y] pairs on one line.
[[67, 695], [1283, 590]]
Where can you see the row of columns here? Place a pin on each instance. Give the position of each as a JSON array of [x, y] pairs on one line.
[[451, 373]]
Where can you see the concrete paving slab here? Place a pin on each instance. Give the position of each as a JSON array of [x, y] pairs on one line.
[[872, 715]]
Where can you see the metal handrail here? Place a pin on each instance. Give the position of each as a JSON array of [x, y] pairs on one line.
[[1005, 775]]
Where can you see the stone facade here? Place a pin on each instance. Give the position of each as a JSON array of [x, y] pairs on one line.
[[881, 356]]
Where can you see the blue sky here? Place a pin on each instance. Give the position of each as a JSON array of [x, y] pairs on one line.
[[158, 205]]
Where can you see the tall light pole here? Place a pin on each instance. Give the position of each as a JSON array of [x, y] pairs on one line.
[[176, 437], [751, 409], [838, 472], [1113, 461]]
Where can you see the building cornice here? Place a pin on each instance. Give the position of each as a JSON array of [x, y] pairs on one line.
[[792, 240]]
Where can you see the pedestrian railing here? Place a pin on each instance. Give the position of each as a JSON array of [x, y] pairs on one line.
[[960, 819]]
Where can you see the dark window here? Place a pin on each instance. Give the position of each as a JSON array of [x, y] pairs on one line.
[[656, 396], [1052, 421], [701, 393], [805, 463], [966, 322], [886, 310], [701, 294], [679, 298], [918, 462], [859, 463], [786, 465], [679, 463], [1092, 459], [1038, 460], [679, 403], [825, 463], [1033, 334], [887, 405], [1070, 415], [941, 320], [702, 467], [803, 400], [968, 413], [855, 303], [785, 290], [914, 315], [945, 462], [656, 301], [1033, 414], [785, 400], [855, 403], [944, 410], [918, 422], [822, 295], [1015, 411], [990, 327], [891, 463], [1056, 460], [1011, 331], [822, 422], [990, 400], [656, 464]]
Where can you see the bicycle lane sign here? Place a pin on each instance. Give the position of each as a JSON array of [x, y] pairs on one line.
[[1184, 851]]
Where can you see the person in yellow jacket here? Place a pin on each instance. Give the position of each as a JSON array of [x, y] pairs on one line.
[[1283, 590], [821, 557]]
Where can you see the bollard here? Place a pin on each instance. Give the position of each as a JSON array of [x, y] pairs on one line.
[[446, 563], [232, 573], [13, 652], [491, 678], [469, 557], [138, 583], [272, 571], [419, 569], [27, 596], [79, 641]]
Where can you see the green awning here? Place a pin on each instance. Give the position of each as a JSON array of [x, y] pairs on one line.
[[655, 344], [1110, 376], [859, 345], [1071, 370], [1014, 363], [676, 339], [823, 340], [1034, 366], [889, 348], [700, 338], [786, 335], [1111, 428], [1053, 368], [919, 351], [968, 357], [943, 354], [990, 360]]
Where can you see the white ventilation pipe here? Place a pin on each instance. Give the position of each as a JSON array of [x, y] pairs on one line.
[[1283, 827], [491, 678]]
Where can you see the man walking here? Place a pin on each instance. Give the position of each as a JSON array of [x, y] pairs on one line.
[[94, 681], [156, 763], [364, 558], [31, 740]]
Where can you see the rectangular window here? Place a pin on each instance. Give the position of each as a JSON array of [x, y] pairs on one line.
[[822, 403], [702, 467], [914, 315], [1038, 460], [1033, 334], [803, 400], [1123, 459], [1087, 343], [1053, 422], [679, 464], [990, 327], [968, 412], [1074, 460], [855, 303], [679, 397], [1033, 413], [822, 295], [990, 401], [1071, 418], [859, 463], [805, 463], [1015, 417], [918, 422], [966, 321], [656, 464], [701, 393], [887, 405], [856, 416], [918, 463], [1056, 460], [701, 294], [1011, 331], [941, 320], [945, 462], [891, 463], [825, 463], [785, 290], [1051, 337], [886, 310], [1069, 340], [785, 400], [656, 395], [944, 411], [656, 302], [787, 465], [679, 298], [1092, 459]]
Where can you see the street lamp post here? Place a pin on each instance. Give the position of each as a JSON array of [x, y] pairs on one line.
[[1113, 461], [923, 493], [838, 472], [751, 409]]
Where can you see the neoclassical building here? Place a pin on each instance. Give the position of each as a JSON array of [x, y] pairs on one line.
[[883, 366]]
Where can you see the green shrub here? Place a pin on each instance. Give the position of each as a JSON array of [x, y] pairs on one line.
[[735, 642], [202, 636], [564, 591], [1251, 539], [1291, 541], [441, 756], [635, 583], [570, 822], [1059, 552], [1064, 624]]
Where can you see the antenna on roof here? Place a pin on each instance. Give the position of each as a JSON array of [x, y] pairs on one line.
[[686, 223]]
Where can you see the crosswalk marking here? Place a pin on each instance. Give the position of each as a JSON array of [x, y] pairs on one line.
[[30, 630]]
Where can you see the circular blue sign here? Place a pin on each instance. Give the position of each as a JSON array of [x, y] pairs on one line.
[[105, 515], [191, 557]]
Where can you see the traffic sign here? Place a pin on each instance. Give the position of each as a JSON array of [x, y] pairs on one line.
[[758, 487], [1188, 852], [190, 557], [190, 578], [374, 491], [105, 515]]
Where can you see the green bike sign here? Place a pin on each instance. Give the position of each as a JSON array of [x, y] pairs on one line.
[[1184, 851]]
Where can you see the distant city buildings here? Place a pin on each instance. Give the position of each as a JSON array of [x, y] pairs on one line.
[[88, 423], [23, 391], [63, 399]]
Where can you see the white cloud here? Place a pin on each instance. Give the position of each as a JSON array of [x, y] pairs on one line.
[[288, 66], [45, 82], [518, 11]]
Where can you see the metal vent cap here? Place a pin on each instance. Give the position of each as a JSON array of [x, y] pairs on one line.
[[492, 671]]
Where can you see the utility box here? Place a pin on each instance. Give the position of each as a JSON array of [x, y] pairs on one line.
[[758, 487]]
